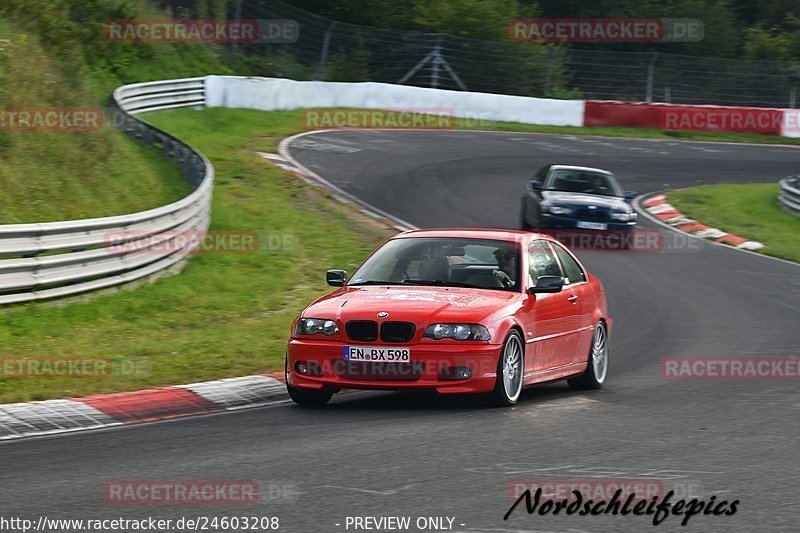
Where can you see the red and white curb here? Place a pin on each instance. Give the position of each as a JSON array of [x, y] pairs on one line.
[[658, 207], [18, 420]]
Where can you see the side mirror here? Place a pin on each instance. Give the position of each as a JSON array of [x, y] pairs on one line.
[[630, 195], [336, 278], [546, 284], [535, 185]]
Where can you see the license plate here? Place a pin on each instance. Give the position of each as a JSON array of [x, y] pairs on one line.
[[378, 354], [591, 225]]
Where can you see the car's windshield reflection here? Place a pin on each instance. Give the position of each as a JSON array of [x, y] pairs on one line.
[[469, 263]]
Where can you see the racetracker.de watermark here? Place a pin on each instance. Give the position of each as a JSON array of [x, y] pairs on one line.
[[411, 118], [41, 367], [742, 119], [633, 240], [734, 368], [610, 30], [277, 31], [393, 371], [55, 119], [198, 492], [599, 489], [199, 242]]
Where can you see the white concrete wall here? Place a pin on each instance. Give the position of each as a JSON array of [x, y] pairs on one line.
[[276, 93], [791, 123]]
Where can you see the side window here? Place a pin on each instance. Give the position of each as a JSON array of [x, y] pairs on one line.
[[542, 173], [542, 261], [572, 269]]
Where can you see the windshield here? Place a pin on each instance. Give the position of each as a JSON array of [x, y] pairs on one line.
[[478, 263], [583, 182]]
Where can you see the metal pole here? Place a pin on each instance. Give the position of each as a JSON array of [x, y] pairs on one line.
[[667, 95], [651, 68], [235, 44], [792, 97], [410, 74], [452, 73], [323, 58], [437, 58], [548, 71]]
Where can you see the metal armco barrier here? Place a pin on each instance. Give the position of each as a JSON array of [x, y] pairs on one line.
[[789, 195], [56, 259]]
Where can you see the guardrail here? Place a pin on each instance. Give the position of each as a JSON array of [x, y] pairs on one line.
[[789, 195], [56, 259]]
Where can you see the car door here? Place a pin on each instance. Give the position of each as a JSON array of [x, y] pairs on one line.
[[554, 316], [584, 301]]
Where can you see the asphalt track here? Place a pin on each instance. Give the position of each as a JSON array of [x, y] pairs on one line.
[[395, 454]]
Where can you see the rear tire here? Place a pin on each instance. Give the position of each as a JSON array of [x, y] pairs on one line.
[[597, 366], [510, 371]]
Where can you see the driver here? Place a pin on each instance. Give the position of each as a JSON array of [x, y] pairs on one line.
[[507, 268], [599, 184]]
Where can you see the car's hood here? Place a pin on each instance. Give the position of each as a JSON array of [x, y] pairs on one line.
[[413, 304], [585, 200]]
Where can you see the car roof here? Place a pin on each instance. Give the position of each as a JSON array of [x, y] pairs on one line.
[[580, 169], [472, 233]]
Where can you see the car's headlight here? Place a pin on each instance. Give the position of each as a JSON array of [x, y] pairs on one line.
[[556, 209], [625, 217], [459, 332], [313, 326]]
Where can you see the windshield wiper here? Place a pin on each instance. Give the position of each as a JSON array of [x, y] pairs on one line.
[[375, 282], [441, 282]]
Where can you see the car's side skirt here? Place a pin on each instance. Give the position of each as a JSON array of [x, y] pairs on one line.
[[555, 374]]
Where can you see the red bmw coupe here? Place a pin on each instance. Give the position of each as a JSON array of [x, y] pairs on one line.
[[458, 311]]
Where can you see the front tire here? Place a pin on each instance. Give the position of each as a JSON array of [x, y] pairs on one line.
[[597, 367], [523, 216], [510, 371], [309, 398]]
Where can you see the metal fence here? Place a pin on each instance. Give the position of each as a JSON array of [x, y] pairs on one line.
[[335, 51], [55, 259], [789, 195]]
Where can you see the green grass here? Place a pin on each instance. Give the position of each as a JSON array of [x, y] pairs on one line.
[[750, 211], [46, 176], [225, 314]]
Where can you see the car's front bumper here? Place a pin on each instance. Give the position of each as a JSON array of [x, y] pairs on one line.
[[549, 221], [424, 372]]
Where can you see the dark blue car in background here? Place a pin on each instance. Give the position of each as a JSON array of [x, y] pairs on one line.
[[572, 197]]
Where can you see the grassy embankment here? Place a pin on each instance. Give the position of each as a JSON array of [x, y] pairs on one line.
[[749, 210]]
